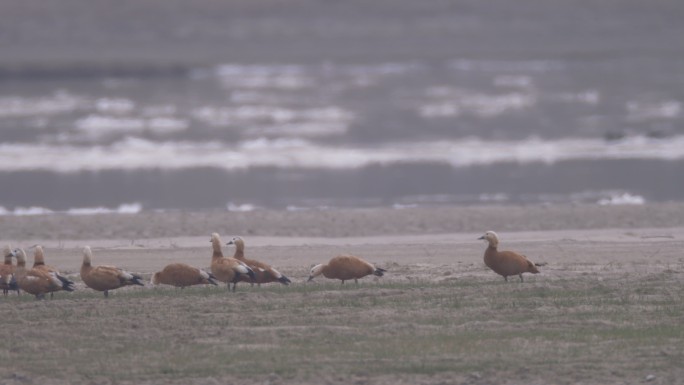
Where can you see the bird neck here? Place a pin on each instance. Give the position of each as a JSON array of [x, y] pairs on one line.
[[239, 251]]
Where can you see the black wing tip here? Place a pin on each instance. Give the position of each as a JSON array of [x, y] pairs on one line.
[[284, 280]]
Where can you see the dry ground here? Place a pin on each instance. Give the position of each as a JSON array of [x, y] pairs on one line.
[[608, 308]]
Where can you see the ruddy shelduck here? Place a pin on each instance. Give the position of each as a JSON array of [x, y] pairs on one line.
[[182, 275], [105, 278], [346, 267], [264, 272], [39, 262], [227, 269], [7, 280], [505, 263], [38, 281]]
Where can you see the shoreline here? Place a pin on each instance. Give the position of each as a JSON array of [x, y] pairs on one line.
[[340, 223]]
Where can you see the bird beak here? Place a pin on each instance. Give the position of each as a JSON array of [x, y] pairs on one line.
[[482, 237], [229, 243], [310, 278]]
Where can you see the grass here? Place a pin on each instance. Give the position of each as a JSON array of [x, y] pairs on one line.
[[556, 330]]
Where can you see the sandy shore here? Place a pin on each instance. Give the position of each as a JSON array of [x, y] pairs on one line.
[[557, 235]]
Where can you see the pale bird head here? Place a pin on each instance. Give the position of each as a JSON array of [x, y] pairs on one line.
[[216, 241], [236, 241], [490, 237], [315, 271], [38, 255], [87, 254], [155, 279], [20, 255]]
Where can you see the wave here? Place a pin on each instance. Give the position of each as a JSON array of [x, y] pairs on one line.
[[136, 153], [125, 208]]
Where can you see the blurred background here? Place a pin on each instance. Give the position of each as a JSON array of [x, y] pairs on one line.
[[129, 105]]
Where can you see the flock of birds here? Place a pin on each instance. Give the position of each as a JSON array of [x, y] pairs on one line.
[[42, 279]]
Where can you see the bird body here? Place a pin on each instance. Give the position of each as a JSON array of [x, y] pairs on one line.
[[105, 278], [38, 281], [505, 263], [346, 267], [7, 279], [227, 269], [181, 275], [264, 273], [39, 264]]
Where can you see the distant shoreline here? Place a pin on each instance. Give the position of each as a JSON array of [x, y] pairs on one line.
[[341, 222]]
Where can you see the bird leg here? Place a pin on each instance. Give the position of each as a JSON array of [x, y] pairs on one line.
[[521, 278], [106, 293]]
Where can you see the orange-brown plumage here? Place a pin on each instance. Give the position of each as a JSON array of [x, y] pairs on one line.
[[7, 279], [38, 281], [105, 278], [505, 263], [227, 269], [264, 273], [346, 267], [182, 275]]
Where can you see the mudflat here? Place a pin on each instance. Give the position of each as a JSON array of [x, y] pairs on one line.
[[606, 308]]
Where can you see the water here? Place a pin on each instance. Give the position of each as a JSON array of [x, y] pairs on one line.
[[530, 110]]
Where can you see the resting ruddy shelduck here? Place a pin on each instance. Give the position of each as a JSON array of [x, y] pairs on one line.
[[346, 267], [38, 281], [7, 280], [506, 263], [105, 278], [182, 275], [227, 269], [264, 272]]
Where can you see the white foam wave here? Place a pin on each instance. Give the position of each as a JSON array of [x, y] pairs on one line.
[[241, 208], [114, 105], [135, 153], [643, 111], [623, 198], [126, 208], [505, 65], [226, 116], [26, 211], [450, 102], [60, 102], [99, 125]]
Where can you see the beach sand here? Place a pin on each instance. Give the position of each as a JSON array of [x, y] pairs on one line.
[[294, 240], [428, 248]]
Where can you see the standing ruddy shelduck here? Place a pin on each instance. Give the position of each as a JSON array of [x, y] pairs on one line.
[[39, 262], [506, 263], [105, 278], [7, 279], [346, 267], [264, 272], [182, 275], [38, 281], [227, 269]]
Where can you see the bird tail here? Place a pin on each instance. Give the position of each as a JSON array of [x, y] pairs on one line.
[[137, 280], [284, 280], [244, 269], [379, 272], [212, 279], [67, 284]]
